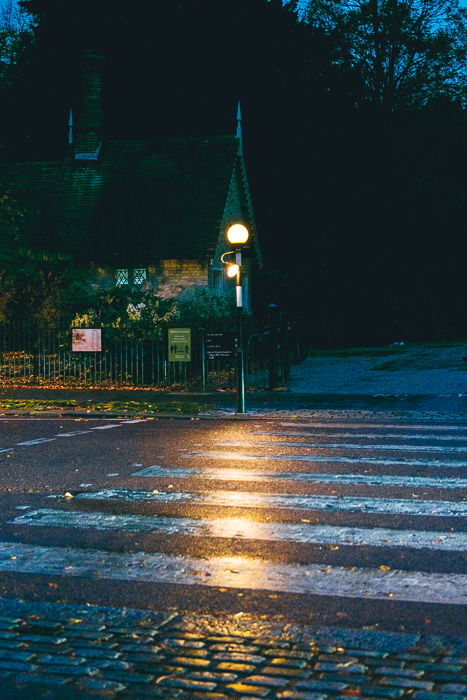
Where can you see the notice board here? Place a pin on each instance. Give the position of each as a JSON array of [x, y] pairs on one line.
[[220, 345], [179, 344]]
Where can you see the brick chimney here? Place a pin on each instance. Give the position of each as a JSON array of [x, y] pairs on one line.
[[87, 138]]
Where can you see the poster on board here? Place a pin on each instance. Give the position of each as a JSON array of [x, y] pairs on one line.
[[86, 340], [179, 342]]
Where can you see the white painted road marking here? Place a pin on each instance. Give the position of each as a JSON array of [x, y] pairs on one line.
[[73, 433], [36, 441], [343, 446], [246, 529], [227, 474], [106, 427], [235, 572], [242, 456], [247, 499], [259, 574]]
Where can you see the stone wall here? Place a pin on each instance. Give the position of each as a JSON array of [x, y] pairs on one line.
[[167, 278]]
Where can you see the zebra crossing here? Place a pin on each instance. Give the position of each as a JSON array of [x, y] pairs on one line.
[[407, 492]]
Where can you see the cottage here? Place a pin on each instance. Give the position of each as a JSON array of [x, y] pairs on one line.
[[143, 213]]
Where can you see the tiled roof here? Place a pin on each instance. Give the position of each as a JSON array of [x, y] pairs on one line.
[[152, 200]]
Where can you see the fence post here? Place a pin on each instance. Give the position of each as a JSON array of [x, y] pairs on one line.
[[274, 339], [203, 359]]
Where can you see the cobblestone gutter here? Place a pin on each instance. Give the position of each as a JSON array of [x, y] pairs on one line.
[[341, 414], [74, 651]]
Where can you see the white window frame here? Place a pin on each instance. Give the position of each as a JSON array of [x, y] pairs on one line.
[[139, 275], [121, 277]]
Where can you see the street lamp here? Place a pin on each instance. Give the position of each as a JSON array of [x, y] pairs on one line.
[[237, 236]]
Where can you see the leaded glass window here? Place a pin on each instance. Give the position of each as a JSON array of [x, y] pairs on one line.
[[139, 276], [121, 277]]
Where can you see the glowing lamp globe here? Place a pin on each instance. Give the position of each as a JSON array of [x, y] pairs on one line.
[[232, 270], [237, 234]]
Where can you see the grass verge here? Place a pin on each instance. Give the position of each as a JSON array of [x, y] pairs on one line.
[[126, 407]]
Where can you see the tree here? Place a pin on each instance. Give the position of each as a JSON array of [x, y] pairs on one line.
[[35, 283], [408, 53], [16, 31], [16, 39], [203, 306]]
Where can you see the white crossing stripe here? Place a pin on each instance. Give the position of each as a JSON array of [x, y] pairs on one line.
[[247, 499], [235, 572], [227, 474], [367, 436], [247, 529], [343, 446], [36, 441], [242, 456], [106, 427]]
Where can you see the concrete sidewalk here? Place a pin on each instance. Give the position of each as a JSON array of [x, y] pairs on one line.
[[400, 369]]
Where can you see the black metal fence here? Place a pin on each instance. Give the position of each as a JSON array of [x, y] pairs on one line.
[[34, 355]]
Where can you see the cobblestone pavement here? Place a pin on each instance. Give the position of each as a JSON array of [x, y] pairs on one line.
[[345, 415], [72, 651]]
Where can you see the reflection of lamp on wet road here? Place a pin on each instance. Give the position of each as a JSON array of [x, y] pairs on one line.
[[238, 235]]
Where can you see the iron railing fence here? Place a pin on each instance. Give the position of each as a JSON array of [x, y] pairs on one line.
[[35, 355]]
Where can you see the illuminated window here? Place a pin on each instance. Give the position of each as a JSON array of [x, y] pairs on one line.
[[139, 276], [121, 277]]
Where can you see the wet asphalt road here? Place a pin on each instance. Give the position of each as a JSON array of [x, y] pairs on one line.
[[224, 498]]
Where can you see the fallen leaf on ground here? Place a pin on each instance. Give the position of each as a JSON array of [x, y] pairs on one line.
[[351, 692]]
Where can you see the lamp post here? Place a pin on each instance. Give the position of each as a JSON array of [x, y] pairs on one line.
[[237, 236]]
